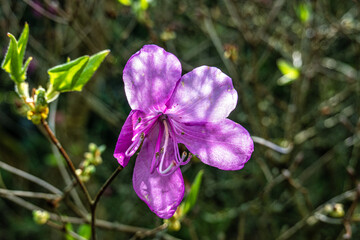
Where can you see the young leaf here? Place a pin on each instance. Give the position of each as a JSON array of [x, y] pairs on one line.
[[90, 68], [63, 77], [23, 42], [85, 231], [13, 61], [193, 194], [73, 75]]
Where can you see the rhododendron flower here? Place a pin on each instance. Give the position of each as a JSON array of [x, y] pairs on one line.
[[168, 109]]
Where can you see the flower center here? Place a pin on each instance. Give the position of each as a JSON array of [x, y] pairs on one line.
[[141, 129], [161, 156]]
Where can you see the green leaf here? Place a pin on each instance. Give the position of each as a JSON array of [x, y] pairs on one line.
[[91, 66], [13, 61], [23, 42], [288, 70], [69, 228], [73, 75], [125, 2], [85, 231], [63, 77], [144, 4], [304, 12], [193, 194]]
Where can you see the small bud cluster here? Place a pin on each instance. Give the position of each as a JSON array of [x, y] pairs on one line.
[[91, 159], [41, 217], [174, 223], [335, 210], [38, 105]]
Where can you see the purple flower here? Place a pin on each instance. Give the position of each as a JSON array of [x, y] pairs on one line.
[[168, 109]]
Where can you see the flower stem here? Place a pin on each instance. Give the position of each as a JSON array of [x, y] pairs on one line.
[[97, 198], [92, 203], [62, 151]]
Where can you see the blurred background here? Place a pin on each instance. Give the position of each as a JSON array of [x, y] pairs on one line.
[[295, 65]]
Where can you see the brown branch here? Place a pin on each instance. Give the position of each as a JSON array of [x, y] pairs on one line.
[[45, 13], [350, 213], [62, 151], [149, 233], [75, 220], [97, 198]]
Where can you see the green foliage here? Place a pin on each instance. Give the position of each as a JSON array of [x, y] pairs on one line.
[[304, 12], [69, 228], [290, 73], [85, 231], [73, 75], [13, 61], [191, 198], [258, 202]]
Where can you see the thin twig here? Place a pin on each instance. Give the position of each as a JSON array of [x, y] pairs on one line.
[[30, 177], [97, 198], [98, 223], [28, 194], [45, 13], [64, 230], [149, 233], [272, 145], [291, 231], [62, 151], [60, 164]]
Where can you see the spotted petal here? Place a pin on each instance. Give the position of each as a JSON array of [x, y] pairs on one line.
[[163, 194], [150, 77], [203, 95], [126, 134], [224, 144]]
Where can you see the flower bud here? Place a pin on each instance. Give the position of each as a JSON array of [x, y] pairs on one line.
[[97, 160], [41, 217], [92, 147], [78, 172], [89, 170], [334, 210]]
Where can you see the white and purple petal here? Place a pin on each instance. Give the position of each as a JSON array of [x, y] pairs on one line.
[[125, 138], [163, 194], [224, 144], [203, 95], [150, 77]]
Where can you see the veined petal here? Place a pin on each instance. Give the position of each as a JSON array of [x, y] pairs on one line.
[[224, 144], [163, 194], [203, 95], [150, 77], [125, 138]]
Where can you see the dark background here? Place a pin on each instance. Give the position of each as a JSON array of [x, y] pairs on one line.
[[276, 196]]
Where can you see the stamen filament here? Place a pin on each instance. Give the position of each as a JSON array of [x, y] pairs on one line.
[[167, 170], [135, 146], [157, 149], [166, 142]]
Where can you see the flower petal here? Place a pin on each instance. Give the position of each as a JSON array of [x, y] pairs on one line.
[[163, 194], [203, 95], [126, 134], [225, 144], [150, 77]]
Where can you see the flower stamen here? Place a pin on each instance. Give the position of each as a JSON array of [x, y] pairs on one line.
[[157, 149], [135, 145], [166, 142]]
